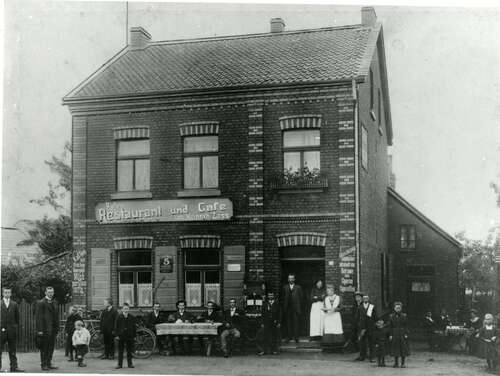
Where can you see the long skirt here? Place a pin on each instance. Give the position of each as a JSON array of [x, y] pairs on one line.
[[316, 320], [334, 334]]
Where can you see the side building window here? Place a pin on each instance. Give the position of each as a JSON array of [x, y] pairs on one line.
[[132, 165], [201, 162], [135, 278], [301, 151], [408, 237], [364, 147], [202, 276]]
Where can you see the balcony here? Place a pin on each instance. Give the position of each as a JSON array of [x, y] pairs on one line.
[[300, 181]]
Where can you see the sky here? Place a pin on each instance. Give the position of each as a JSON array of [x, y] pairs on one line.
[[444, 85]]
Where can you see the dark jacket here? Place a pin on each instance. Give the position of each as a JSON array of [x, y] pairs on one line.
[[125, 327], [235, 321], [366, 322], [213, 317], [292, 299], [317, 295], [152, 319], [429, 326], [398, 330], [271, 314], [442, 322], [47, 316], [355, 316], [108, 318], [69, 327], [185, 317], [381, 341], [10, 317]]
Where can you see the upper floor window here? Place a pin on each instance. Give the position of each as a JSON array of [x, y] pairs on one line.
[[133, 171], [301, 150], [201, 162], [408, 237]]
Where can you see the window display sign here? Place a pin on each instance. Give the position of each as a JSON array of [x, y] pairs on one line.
[[166, 264], [134, 211]]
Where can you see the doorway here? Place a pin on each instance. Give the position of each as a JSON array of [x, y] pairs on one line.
[[307, 272]]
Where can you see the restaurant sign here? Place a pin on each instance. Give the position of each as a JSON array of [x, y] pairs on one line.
[[138, 211]]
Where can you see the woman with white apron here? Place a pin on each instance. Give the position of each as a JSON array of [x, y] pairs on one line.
[[333, 334], [316, 316]]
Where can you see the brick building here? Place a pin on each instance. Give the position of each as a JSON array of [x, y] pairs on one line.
[[200, 165]]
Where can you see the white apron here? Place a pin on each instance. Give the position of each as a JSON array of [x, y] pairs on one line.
[[316, 320], [332, 319]]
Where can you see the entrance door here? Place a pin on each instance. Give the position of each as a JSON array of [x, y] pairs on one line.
[[307, 272]]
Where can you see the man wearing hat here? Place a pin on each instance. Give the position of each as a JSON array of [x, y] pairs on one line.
[[367, 314], [358, 298]]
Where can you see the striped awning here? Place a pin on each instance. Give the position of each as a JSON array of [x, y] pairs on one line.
[[198, 128], [301, 238], [300, 121], [133, 242], [200, 241], [135, 132]]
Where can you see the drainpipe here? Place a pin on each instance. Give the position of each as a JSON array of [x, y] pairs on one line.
[[356, 181]]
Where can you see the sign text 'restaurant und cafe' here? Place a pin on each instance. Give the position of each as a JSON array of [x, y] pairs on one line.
[[133, 211]]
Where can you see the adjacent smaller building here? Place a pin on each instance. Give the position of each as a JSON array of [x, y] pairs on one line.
[[425, 260]]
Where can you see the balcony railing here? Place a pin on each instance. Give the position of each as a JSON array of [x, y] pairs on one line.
[[284, 182]]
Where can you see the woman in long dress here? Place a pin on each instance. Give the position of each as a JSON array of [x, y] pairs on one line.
[[316, 316], [333, 333]]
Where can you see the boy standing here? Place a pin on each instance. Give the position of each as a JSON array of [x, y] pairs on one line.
[[81, 341], [381, 339], [125, 331]]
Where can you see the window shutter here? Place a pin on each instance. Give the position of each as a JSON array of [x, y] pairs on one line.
[[165, 279], [100, 270], [234, 272]]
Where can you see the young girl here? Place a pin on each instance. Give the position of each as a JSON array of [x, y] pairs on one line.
[[381, 340], [398, 335], [488, 335], [81, 341]]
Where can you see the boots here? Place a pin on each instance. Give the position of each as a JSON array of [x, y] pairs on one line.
[[396, 362], [403, 365]]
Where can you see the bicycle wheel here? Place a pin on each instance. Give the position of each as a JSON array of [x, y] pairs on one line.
[[145, 342], [96, 346]]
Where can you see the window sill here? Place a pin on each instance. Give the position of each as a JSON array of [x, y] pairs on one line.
[[300, 191], [131, 195], [201, 192]]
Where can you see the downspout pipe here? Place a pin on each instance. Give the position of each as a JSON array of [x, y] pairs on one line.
[[356, 181]]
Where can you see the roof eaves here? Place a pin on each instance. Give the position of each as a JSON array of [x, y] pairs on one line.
[[422, 217], [108, 63]]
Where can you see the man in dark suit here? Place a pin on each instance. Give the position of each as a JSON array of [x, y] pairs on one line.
[[47, 326], [268, 334], [292, 299], [155, 317], [367, 314], [125, 332], [9, 324], [182, 316], [107, 325], [209, 316], [231, 324], [358, 299]]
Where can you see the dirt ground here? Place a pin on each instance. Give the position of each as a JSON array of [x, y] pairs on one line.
[[422, 363]]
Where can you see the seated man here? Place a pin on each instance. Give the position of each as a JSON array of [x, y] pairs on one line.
[[209, 316], [182, 316], [431, 331], [269, 333], [230, 323], [155, 317]]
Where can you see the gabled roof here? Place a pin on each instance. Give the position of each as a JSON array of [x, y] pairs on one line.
[[423, 218], [255, 60]]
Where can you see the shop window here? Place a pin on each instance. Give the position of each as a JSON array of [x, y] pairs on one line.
[[202, 276], [364, 147], [408, 237], [201, 162], [420, 286], [135, 278], [132, 165], [301, 151]]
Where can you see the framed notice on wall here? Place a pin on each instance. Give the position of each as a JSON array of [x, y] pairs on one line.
[[166, 264]]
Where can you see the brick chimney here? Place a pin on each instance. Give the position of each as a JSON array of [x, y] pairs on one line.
[[277, 25], [368, 16], [139, 38]]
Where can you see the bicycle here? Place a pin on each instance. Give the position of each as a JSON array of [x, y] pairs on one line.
[[96, 346], [145, 340]]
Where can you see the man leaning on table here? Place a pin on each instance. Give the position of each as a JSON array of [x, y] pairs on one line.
[[210, 316], [182, 316]]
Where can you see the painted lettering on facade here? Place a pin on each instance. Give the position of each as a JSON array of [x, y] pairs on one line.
[[164, 211], [347, 268]]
